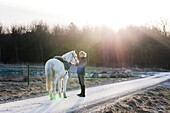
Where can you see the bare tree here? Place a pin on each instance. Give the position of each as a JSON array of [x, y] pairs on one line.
[[1, 29], [164, 23]]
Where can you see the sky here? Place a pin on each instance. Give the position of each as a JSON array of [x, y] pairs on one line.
[[113, 13]]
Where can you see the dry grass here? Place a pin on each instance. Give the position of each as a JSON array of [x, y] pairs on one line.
[[155, 100]]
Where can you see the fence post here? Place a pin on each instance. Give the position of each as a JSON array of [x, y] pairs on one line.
[[28, 78]]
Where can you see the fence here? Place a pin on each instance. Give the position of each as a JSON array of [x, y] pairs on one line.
[[20, 73]]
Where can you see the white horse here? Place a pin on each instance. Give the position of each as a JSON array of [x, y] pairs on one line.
[[55, 72]]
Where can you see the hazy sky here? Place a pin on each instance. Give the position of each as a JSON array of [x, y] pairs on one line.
[[113, 13]]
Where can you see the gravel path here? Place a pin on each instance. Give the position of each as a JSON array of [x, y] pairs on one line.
[[95, 96]]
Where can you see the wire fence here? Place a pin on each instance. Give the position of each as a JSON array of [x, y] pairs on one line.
[[20, 73]]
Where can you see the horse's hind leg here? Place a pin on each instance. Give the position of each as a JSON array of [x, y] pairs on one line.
[[59, 87], [65, 85], [54, 86], [51, 95]]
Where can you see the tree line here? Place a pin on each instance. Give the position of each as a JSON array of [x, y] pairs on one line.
[[129, 47]]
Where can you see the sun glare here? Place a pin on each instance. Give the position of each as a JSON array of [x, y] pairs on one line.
[[113, 13]]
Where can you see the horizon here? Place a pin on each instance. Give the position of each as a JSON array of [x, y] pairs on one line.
[[114, 14]]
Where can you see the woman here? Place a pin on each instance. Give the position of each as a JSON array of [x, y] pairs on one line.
[[81, 71]]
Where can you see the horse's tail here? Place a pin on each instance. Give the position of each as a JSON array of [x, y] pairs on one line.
[[49, 74]]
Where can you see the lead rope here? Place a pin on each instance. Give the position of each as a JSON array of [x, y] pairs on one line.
[[65, 73]]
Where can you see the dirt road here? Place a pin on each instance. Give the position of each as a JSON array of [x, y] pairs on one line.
[[94, 96]]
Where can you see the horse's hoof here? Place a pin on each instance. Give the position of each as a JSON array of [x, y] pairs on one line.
[[54, 97], [65, 95], [59, 95], [51, 96]]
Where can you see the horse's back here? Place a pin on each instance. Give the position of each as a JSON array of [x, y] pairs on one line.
[[54, 64]]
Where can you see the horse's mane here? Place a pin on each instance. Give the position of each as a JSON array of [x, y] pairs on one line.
[[65, 56]]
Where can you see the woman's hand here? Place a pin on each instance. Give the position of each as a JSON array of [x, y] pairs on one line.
[[77, 64]]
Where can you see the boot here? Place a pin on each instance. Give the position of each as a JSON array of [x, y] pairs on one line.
[[83, 91]]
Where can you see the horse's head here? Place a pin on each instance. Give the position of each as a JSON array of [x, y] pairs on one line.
[[71, 57], [74, 58]]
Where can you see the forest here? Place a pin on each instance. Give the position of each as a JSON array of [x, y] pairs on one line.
[[131, 46]]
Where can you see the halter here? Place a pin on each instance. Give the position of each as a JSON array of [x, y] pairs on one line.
[[74, 57]]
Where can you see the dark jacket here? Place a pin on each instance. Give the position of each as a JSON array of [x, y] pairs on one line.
[[81, 66]]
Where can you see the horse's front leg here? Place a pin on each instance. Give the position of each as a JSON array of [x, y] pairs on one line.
[[65, 85]]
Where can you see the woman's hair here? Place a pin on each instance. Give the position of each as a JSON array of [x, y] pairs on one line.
[[83, 53]]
